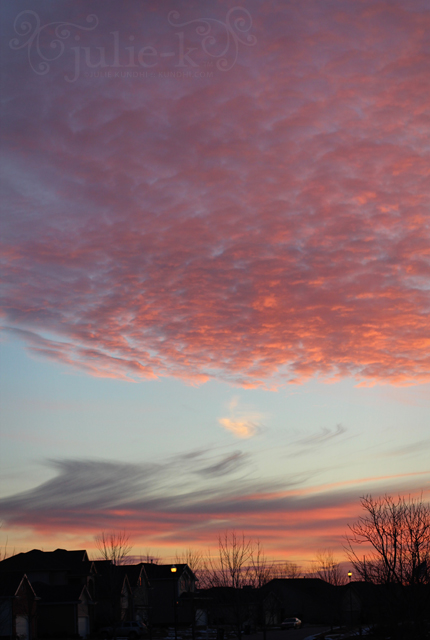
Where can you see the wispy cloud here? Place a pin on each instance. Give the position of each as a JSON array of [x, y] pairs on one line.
[[409, 449], [155, 501], [231, 462], [323, 435]]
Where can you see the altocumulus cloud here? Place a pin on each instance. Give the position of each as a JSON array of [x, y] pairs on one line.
[[240, 427], [287, 239], [242, 423]]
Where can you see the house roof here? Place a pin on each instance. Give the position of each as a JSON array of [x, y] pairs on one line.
[[101, 566], [310, 586], [164, 572], [134, 572], [58, 560], [60, 594], [10, 583], [367, 592], [110, 578]]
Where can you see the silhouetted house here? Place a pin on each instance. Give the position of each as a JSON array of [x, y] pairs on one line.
[[64, 610], [167, 605], [309, 599], [17, 606], [361, 602], [113, 594], [59, 567], [385, 604], [63, 582], [194, 607], [271, 608], [235, 610], [139, 585]]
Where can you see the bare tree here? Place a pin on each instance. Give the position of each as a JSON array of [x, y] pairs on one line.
[[231, 567], [397, 532], [262, 570], [396, 535], [193, 558], [149, 558], [4, 553], [114, 546], [287, 569], [240, 562], [326, 567]]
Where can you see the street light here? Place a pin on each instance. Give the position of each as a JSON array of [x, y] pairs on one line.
[[173, 570], [350, 596]]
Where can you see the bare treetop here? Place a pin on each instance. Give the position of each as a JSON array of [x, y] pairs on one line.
[[114, 546], [397, 530], [240, 562], [193, 558], [327, 568]]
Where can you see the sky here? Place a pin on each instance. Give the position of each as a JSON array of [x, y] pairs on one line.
[[216, 270]]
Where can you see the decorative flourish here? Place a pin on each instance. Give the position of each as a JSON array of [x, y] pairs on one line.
[[30, 28], [234, 27]]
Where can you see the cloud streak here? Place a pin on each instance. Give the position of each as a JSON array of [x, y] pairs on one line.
[[160, 501], [286, 239], [323, 436]]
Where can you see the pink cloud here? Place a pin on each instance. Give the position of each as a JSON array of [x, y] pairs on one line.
[[265, 225]]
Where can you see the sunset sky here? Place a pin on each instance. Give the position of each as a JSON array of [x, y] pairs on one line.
[[216, 267]]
